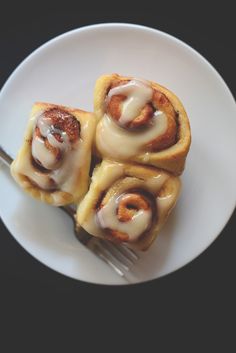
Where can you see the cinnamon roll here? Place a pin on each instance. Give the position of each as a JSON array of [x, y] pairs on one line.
[[140, 121], [53, 162], [128, 203]]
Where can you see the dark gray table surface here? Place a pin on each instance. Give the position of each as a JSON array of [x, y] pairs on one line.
[[210, 276]]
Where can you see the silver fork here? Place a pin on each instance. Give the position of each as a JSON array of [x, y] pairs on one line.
[[118, 256]]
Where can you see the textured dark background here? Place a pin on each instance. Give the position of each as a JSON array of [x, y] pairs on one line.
[[204, 290]]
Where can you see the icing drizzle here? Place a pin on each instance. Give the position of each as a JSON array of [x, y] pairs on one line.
[[137, 93]]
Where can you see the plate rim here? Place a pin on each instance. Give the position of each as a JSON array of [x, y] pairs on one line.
[[110, 24]]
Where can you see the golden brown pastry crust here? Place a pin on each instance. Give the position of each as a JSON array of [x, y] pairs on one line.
[[171, 158], [111, 178], [23, 161]]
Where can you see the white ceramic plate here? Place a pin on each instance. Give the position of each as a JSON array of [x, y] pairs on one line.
[[64, 71]]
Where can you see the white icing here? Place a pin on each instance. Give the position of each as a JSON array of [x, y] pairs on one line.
[[113, 171], [44, 124], [47, 129], [39, 151], [40, 179], [42, 154], [65, 177], [57, 144], [155, 183], [164, 203], [138, 94], [92, 227], [134, 228], [64, 174], [114, 141]]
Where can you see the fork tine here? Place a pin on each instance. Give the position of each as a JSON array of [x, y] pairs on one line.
[[118, 256], [99, 251], [118, 253], [131, 254], [109, 251], [123, 256]]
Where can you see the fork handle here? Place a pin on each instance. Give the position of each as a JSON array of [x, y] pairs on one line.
[[69, 210], [5, 158]]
